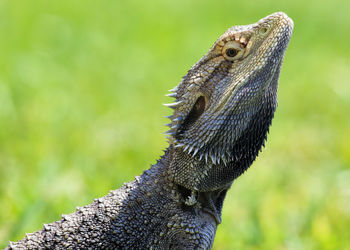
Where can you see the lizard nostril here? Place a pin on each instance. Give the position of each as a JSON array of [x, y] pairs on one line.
[[263, 30]]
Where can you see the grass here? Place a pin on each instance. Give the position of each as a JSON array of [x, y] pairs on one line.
[[81, 87]]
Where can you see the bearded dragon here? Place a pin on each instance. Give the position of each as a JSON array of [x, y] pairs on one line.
[[221, 116]]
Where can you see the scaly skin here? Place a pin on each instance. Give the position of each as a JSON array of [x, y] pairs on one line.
[[222, 113]]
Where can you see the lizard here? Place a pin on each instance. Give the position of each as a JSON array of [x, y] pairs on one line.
[[221, 116]]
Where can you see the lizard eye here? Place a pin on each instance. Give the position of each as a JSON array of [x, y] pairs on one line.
[[232, 51]]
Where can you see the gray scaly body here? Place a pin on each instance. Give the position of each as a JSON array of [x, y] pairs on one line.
[[222, 113]]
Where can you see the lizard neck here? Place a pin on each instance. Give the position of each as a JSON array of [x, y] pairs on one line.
[[193, 201], [157, 205], [202, 175]]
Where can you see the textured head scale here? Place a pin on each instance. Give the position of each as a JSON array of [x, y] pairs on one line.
[[225, 104]]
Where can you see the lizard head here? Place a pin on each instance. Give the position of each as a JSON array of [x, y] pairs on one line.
[[225, 104]]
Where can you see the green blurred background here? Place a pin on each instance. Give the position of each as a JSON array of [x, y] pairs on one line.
[[81, 87]]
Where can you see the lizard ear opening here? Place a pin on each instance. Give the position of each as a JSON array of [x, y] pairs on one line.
[[197, 110]]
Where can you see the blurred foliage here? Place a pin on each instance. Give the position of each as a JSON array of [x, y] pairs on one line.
[[81, 87]]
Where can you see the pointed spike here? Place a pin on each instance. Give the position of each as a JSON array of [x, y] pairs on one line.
[[171, 94], [169, 117], [177, 119], [212, 157], [173, 105], [200, 157], [189, 88], [223, 158], [205, 171], [168, 125], [195, 152], [185, 149], [206, 157], [171, 133], [190, 149], [224, 161], [179, 145], [176, 126], [173, 90], [186, 95]]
